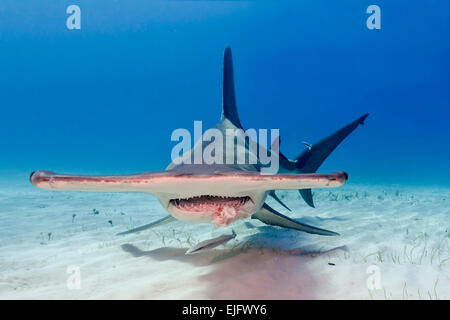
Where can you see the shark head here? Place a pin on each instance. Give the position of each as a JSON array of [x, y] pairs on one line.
[[214, 197], [195, 193]]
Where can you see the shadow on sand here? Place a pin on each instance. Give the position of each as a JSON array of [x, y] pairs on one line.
[[252, 270]]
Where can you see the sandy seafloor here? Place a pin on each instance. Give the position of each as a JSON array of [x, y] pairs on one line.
[[404, 231]]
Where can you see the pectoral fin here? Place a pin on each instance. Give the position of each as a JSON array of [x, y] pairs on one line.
[[274, 218]]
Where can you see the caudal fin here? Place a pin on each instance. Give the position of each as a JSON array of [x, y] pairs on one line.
[[313, 157]]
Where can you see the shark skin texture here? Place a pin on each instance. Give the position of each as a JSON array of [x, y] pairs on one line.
[[217, 193]]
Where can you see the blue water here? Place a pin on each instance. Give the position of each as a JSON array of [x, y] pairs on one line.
[[106, 98]]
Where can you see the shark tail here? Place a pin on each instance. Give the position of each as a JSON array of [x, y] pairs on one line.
[[312, 158], [229, 108]]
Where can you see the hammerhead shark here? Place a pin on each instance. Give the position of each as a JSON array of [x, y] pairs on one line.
[[219, 193]]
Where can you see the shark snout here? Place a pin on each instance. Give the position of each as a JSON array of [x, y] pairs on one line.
[[31, 175], [41, 178], [346, 176], [339, 176]]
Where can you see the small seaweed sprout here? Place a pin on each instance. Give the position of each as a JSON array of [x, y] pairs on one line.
[[110, 222], [405, 292], [49, 236], [379, 256], [434, 288], [95, 211], [73, 217], [332, 196]]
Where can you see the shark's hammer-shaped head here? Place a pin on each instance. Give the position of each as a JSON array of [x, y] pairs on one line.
[[214, 194]]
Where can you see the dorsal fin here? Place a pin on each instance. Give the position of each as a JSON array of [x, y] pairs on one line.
[[229, 109]]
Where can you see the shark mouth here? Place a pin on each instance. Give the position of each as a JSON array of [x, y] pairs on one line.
[[206, 202], [221, 209]]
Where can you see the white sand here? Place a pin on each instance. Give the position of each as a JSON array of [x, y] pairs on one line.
[[402, 231]]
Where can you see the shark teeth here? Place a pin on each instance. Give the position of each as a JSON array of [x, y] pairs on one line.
[[203, 202]]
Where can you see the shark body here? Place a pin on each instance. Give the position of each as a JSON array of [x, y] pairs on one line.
[[219, 193]]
